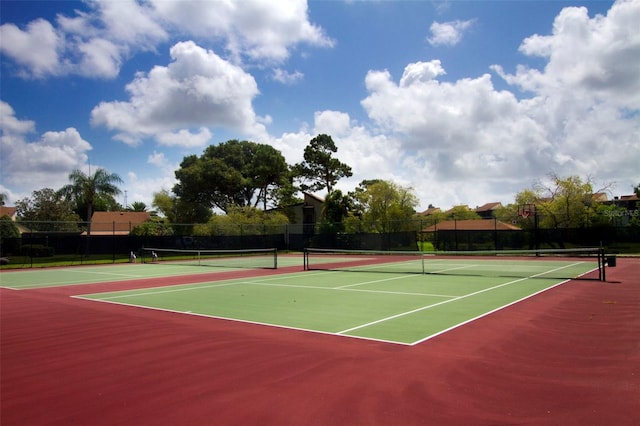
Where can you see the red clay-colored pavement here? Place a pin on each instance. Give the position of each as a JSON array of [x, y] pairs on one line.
[[569, 356]]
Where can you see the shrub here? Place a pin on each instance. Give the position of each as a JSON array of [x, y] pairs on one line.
[[36, 250]]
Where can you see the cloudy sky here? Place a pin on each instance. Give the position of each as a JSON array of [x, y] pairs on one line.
[[467, 102]]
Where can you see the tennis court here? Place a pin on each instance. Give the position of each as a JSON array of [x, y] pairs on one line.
[[186, 264], [390, 298], [266, 346]]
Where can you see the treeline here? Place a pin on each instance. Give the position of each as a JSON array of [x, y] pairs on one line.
[[243, 182]]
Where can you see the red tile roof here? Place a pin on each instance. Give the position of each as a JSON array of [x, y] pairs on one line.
[[488, 207], [7, 211], [116, 223]]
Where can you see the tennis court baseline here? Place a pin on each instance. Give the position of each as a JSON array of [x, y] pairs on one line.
[[400, 308]]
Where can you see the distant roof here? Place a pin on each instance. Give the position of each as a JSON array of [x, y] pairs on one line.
[[488, 207], [430, 210], [7, 211], [472, 225], [315, 197], [599, 196], [116, 223], [632, 197]]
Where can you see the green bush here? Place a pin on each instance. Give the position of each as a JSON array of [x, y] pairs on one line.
[[36, 250]]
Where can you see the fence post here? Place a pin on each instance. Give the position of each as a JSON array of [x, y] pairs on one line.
[[113, 247]]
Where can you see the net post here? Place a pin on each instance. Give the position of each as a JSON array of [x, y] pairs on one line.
[[603, 260], [305, 259]]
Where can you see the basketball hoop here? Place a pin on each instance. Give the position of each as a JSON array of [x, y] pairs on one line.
[[526, 210]]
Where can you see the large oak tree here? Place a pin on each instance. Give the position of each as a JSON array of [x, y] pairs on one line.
[[233, 173]]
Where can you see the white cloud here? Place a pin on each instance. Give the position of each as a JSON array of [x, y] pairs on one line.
[[421, 71], [10, 125], [254, 29], [334, 123], [91, 44], [95, 42], [370, 155], [43, 163], [197, 89], [286, 77], [35, 48], [581, 119], [448, 33], [185, 138], [589, 59]]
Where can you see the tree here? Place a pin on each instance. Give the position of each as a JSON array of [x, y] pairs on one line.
[[563, 202], [3, 198], [178, 211], [335, 210], [88, 190], [461, 213], [319, 168], [154, 227], [47, 210], [234, 173], [166, 204], [9, 236], [138, 206], [246, 220], [385, 206], [8, 228]]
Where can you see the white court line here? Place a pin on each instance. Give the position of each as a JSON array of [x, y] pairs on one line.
[[341, 333], [151, 293], [455, 299], [261, 283], [372, 282], [265, 324], [403, 293]]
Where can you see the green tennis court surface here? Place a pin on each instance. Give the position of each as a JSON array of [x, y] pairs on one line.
[[53, 277], [403, 308]]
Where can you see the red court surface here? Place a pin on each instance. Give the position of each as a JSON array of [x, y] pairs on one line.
[[568, 356]]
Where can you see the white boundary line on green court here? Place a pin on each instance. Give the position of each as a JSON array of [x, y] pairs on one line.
[[262, 281], [455, 299], [497, 309], [264, 324]]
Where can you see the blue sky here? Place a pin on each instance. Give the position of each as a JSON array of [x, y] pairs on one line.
[[467, 102]]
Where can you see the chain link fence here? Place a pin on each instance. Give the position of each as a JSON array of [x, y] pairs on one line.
[[69, 243]]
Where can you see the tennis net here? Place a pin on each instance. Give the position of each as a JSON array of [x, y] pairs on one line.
[[240, 258], [543, 263]]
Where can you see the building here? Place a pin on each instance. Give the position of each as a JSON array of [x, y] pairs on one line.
[[308, 212], [8, 211], [488, 210], [116, 223]]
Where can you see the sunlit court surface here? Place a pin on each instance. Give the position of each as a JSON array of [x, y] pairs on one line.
[[401, 298], [325, 338]]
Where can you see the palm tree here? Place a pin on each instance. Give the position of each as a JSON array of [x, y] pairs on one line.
[[138, 206], [86, 188]]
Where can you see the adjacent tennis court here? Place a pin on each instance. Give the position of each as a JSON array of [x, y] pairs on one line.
[[402, 298], [184, 264]]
